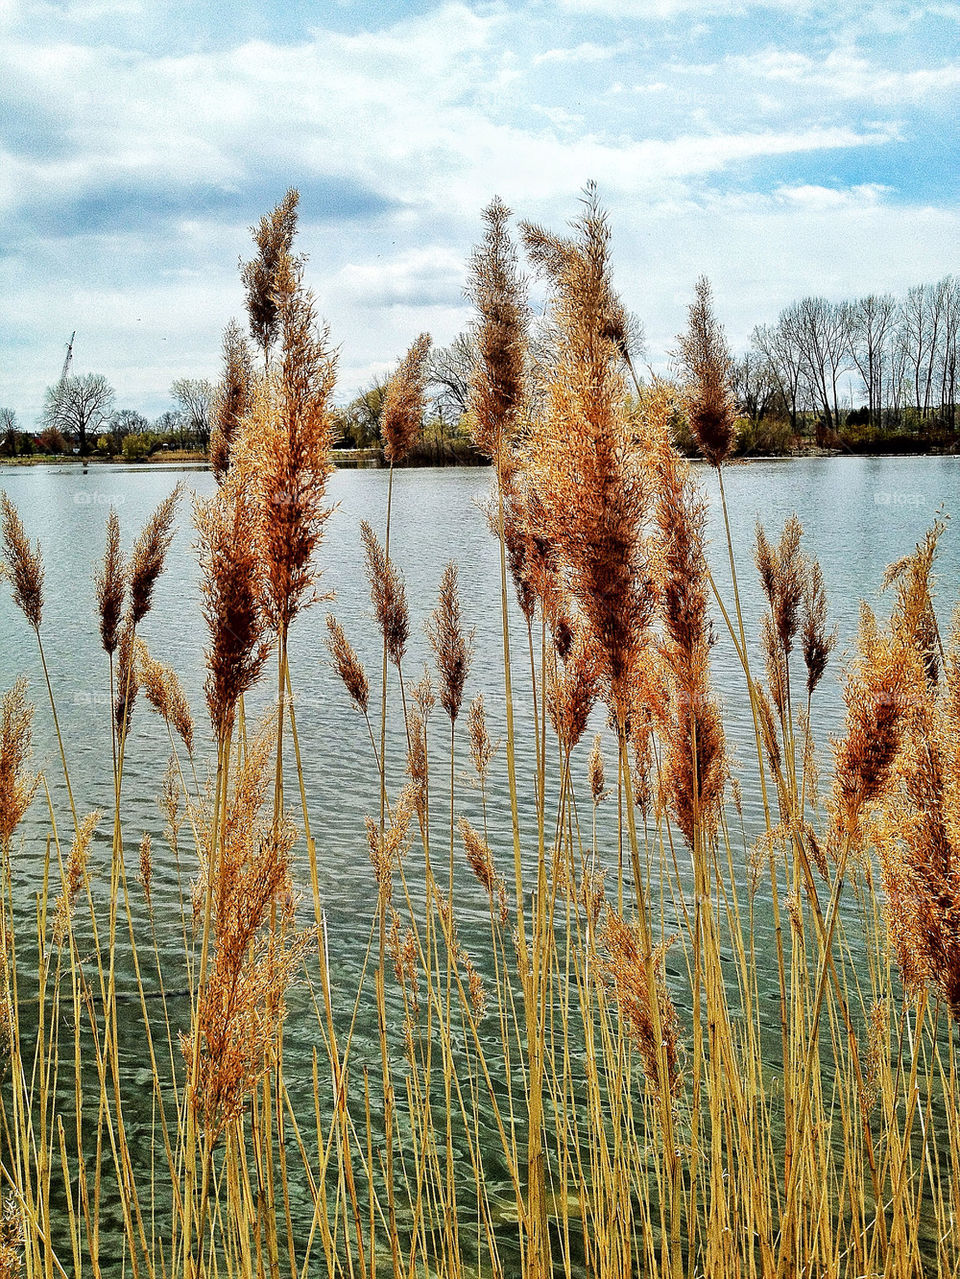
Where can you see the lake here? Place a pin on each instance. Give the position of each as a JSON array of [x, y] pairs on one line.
[[859, 514]]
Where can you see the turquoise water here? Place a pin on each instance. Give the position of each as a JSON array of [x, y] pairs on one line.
[[859, 514]]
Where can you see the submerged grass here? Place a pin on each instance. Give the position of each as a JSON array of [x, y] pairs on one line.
[[541, 1102]]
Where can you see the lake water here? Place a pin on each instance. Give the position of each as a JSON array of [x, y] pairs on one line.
[[858, 513]]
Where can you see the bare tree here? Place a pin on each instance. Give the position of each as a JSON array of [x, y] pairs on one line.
[[869, 326], [195, 396], [755, 386], [78, 405], [451, 368], [779, 346]]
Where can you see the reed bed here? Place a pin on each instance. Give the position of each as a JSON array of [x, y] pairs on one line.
[[597, 1083]]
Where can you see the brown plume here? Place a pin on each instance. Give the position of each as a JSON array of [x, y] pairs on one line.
[[404, 402], [110, 582], [25, 564], [705, 360]]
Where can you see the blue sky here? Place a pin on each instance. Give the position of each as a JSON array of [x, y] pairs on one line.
[[782, 148]]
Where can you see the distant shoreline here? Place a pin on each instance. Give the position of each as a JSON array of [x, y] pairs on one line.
[[373, 459]]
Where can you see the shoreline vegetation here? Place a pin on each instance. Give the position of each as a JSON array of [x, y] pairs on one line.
[[465, 453], [585, 1083]]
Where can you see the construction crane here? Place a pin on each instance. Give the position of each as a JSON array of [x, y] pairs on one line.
[[68, 359]]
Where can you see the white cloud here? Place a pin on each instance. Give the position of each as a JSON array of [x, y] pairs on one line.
[[811, 197], [128, 206], [845, 74], [586, 52]]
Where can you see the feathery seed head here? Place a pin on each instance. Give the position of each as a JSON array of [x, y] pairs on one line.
[[231, 400], [404, 402], [149, 554], [389, 596], [496, 287], [265, 277], [146, 864], [595, 771], [480, 861], [164, 692], [284, 452], [348, 666], [705, 360], [450, 646], [25, 564], [816, 642], [73, 879], [232, 586], [110, 582], [16, 789], [626, 971], [481, 749]]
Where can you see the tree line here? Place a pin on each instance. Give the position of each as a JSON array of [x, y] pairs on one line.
[[79, 415], [897, 356], [878, 369]]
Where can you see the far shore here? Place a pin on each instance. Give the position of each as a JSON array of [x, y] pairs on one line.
[[373, 458]]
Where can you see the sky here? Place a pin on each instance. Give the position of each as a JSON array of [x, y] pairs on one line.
[[780, 147]]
